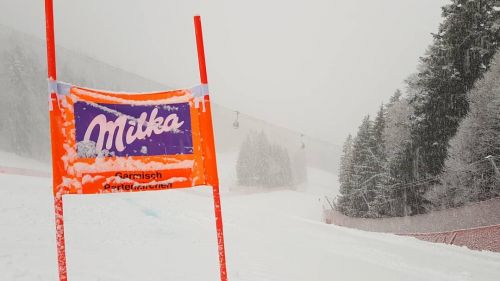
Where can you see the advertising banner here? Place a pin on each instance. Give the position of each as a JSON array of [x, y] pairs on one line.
[[127, 142]]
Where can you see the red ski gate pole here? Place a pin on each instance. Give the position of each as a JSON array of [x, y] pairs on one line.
[[211, 144], [58, 200], [51, 46]]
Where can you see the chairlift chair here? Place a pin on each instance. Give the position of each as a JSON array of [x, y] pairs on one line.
[[236, 123]]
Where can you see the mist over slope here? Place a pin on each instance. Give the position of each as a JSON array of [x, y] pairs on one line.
[[24, 111]]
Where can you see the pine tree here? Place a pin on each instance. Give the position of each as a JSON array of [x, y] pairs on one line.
[[468, 175], [418, 128], [378, 129], [460, 54], [365, 174], [379, 205], [346, 173], [299, 166], [396, 97], [245, 164], [262, 159], [363, 171], [20, 85], [397, 140], [261, 163], [284, 175]]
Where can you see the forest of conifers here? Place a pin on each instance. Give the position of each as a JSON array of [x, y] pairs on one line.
[[436, 144]]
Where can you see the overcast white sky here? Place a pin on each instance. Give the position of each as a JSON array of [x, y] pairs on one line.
[[315, 66]]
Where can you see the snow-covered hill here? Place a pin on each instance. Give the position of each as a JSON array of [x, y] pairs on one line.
[[170, 235]]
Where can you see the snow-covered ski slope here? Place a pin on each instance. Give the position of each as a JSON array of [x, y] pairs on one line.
[[170, 235]]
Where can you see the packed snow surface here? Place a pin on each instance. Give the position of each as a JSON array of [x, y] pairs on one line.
[[170, 235]]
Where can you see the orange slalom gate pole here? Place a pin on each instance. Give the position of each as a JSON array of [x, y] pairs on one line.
[[51, 45], [209, 138], [58, 200], [61, 248]]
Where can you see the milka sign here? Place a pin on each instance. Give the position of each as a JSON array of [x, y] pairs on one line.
[[132, 130]]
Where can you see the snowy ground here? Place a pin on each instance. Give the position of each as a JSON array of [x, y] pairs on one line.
[[170, 235]]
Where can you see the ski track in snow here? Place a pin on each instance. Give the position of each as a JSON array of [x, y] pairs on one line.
[[170, 235]]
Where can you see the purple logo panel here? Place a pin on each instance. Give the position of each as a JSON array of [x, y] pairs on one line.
[[132, 130]]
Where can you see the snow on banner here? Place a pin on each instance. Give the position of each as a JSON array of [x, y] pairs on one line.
[[115, 142]]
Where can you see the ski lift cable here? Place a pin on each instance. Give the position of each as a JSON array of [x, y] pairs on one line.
[[417, 182], [401, 185], [364, 187], [437, 177]]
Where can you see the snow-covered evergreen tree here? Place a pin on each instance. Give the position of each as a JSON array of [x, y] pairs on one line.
[[365, 173], [379, 205], [468, 174], [245, 164], [359, 187], [261, 163], [346, 173], [418, 127], [299, 165], [460, 54], [397, 140], [25, 94]]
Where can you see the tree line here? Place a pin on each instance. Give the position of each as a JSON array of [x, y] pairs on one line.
[[261, 163], [434, 145]]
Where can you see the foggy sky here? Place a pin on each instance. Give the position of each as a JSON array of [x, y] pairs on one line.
[[315, 66]]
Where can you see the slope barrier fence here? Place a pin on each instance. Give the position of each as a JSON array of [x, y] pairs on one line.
[[476, 226]]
